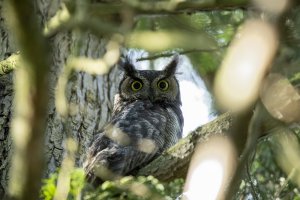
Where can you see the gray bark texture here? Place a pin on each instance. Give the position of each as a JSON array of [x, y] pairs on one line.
[[90, 96]]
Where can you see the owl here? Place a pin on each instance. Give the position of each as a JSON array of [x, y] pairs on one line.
[[146, 120]]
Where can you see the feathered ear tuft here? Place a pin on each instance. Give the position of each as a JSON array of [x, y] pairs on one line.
[[170, 69], [126, 65]]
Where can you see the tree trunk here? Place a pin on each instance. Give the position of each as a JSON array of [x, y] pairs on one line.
[[90, 96]]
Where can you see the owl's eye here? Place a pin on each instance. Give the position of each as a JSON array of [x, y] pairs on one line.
[[136, 85], [163, 85]]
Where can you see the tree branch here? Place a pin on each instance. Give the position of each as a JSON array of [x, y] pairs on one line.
[[70, 16], [169, 54], [175, 161]]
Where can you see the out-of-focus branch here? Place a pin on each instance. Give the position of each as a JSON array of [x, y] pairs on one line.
[[9, 64], [258, 124], [102, 15], [95, 25], [169, 54], [154, 41], [31, 99], [176, 160], [261, 123], [64, 176], [165, 7], [286, 146]]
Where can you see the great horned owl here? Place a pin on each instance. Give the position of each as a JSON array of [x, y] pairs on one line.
[[146, 120]]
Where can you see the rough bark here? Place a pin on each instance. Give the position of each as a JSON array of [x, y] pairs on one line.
[[6, 93], [31, 100], [91, 96]]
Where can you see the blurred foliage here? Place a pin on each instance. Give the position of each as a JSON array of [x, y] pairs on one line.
[[49, 187], [219, 26], [288, 59], [265, 179], [135, 188], [295, 79], [77, 183], [291, 30]]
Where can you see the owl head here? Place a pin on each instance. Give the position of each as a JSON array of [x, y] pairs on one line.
[[156, 86]]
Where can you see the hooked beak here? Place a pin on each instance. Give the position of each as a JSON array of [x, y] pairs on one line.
[[151, 98]]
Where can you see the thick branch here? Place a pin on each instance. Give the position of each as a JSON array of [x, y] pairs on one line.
[[174, 162]]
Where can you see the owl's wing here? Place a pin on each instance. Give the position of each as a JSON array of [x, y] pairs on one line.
[[134, 137], [108, 160]]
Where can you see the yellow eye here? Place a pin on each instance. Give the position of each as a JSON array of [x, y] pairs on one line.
[[136, 85], [163, 85]]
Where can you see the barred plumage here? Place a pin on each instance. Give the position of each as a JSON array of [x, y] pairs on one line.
[[146, 120]]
